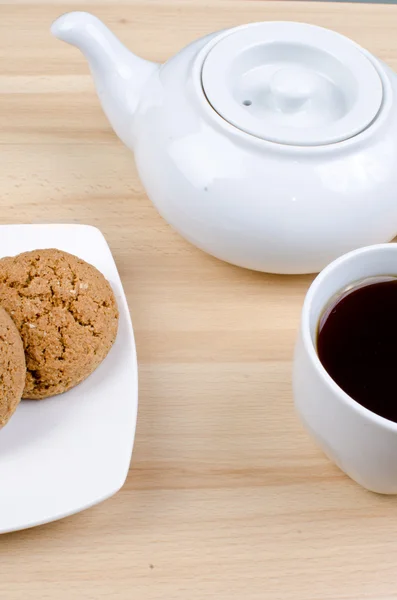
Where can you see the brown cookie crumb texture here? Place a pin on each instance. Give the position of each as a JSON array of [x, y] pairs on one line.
[[12, 367], [66, 314]]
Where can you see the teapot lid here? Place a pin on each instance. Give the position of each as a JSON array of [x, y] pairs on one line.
[[292, 83]]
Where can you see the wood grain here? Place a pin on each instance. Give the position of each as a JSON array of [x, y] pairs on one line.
[[227, 497]]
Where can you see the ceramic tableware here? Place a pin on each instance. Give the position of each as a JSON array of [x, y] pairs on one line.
[[270, 145], [362, 443], [61, 455]]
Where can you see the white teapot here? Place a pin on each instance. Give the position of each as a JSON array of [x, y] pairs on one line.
[[272, 145]]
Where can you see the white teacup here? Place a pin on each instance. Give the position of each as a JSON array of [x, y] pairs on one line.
[[361, 443]]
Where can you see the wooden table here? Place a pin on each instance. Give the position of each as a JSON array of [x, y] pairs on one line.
[[227, 497]]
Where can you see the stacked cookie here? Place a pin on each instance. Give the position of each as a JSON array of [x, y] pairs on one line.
[[58, 321]]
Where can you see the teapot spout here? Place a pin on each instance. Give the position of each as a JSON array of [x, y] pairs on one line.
[[119, 75]]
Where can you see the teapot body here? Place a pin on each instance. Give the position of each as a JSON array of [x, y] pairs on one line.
[[258, 204]]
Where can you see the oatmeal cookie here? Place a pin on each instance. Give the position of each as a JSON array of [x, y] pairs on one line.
[[12, 367], [66, 314]]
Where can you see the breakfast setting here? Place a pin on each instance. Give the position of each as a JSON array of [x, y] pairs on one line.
[[198, 291]]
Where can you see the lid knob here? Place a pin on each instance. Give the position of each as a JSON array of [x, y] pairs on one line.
[[291, 88]]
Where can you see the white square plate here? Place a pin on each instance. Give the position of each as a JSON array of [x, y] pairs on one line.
[[61, 455]]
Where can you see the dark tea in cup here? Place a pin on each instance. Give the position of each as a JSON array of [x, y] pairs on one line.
[[357, 343]]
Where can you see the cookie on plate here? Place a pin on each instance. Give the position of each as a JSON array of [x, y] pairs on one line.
[[12, 367], [66, 314]]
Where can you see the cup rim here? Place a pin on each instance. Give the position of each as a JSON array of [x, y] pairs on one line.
[[309, 343]]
